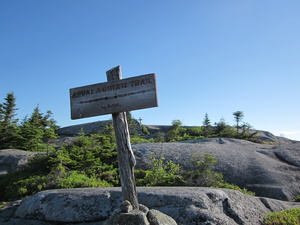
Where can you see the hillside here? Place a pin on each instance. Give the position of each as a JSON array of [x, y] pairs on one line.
[[270, 170]]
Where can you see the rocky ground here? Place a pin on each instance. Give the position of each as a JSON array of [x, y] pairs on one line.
[[186, 205], [271, 170]]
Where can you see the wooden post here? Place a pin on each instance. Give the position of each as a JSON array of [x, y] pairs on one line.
[[126, 157]]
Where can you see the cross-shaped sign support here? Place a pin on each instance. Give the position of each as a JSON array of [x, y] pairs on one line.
[[116, 97]]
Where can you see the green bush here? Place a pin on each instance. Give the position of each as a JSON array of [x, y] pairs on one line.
[[75, 179], [286, 217], [166, 173], [89, 162], [162, 173], [160, 137], [145, 130], [177, 133], [222, 129], [138, 139], [35, 183], [202, 175], [94, 155], [194, 131], [46, 172]]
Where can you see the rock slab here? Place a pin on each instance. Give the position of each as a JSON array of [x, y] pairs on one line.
[[271, 171], [186, 205], [12, 159]]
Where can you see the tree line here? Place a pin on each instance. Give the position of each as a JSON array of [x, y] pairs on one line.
[[34, 132], [31, 133], [240, 130]]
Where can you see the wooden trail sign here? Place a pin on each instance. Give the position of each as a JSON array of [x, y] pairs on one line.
[[116, 97]]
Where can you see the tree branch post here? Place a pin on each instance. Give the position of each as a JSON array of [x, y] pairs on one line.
[[126, 157]]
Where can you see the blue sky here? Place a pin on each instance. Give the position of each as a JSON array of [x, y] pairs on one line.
[[212, 57]]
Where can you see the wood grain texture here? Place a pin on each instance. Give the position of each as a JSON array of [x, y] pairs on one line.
[[126, 157]]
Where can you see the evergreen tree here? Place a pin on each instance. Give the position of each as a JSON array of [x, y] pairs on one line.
[[37, 130], [238, 117], [222, 129], [9, 131], [8, 110], [202, 175], [207, 128], [1, 113]]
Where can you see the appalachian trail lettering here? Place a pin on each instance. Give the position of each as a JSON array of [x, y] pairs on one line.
[[114, 96], [110, 88]]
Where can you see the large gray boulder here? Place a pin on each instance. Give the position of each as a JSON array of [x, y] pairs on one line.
[[12, 159], [268, 170], [186, 205]]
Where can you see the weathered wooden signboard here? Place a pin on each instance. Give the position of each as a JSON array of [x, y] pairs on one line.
[[114, 96]]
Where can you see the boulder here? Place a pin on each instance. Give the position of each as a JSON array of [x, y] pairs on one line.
[[269, 170], [134, 217], [12, 159], [142, 216], [156, 217], [186, 205]]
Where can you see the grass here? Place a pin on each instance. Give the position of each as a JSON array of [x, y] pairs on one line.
[[2, 204], [286, 217]]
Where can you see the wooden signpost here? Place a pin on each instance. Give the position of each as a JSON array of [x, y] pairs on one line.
[[116, 97]]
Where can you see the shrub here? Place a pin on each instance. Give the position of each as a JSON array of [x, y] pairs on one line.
[[145, 130], [160, 137], [162, 173], [177, 133], [138, 139], [195, 131], [88, 162], [31, 184], [286, 217], [75, 179], [202, 175], [94, 155]]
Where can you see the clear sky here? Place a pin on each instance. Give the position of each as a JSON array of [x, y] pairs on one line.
[[213, 57]]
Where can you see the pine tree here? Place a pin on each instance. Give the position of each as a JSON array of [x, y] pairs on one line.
[[222, 129], [38, 130], [9, 131], [238, 117], [8, 109], [207, 128]]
